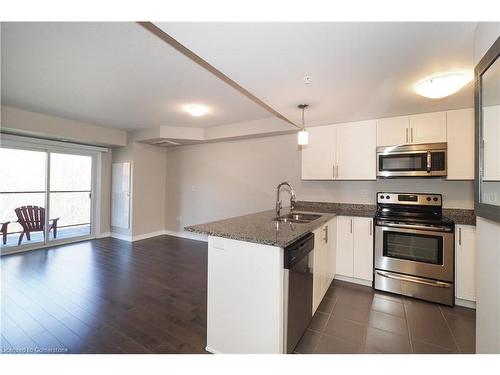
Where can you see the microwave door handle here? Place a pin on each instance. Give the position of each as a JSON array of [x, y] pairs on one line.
[[429, 164]]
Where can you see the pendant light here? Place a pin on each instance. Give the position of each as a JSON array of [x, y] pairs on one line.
[[303, 136]]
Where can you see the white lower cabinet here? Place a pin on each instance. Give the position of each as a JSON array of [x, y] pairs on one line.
[[465, 258], [345, 246], [355, 247], [323, 261], [363, 248], [244, 297]]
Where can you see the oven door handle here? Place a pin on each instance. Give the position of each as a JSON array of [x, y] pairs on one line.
[[437, 284], [421, 227], [429, 163]]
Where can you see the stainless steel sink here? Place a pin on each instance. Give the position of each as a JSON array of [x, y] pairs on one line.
[[297, 218]]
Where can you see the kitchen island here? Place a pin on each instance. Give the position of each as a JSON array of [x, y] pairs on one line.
[[248, 284]]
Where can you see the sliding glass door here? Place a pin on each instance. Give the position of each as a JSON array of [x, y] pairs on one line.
[[46, 196], [70, 195], [23, 180]]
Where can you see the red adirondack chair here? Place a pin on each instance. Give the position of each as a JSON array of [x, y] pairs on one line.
[[32, 219]]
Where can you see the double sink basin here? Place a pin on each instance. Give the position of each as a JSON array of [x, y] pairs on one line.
[[300, 218]]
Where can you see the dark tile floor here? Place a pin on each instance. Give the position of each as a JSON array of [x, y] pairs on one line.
[[356, 319]]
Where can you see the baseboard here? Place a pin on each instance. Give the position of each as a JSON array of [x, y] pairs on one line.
[[103, 235], [124, 237], [210, 350], [188, 235], [148, 235], [353, 280], [465, 303]]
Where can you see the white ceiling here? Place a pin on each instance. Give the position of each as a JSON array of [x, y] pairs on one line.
[[359, 70], [120, 75], [112, 74]]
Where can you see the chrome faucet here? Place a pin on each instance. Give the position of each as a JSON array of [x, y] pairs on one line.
[[278, 201]]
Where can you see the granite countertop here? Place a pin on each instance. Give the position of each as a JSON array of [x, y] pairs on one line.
[[341, 209], [458, 215], [260, 228]]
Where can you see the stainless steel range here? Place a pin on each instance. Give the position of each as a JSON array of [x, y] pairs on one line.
[[414, 247]]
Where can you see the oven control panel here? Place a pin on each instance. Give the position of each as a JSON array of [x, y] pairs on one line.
[[420, 199]]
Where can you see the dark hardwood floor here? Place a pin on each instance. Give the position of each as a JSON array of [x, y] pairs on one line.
[[106, 296]]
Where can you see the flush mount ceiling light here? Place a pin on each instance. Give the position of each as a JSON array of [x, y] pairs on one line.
[[196, 110], [303, 136], [442, 85]]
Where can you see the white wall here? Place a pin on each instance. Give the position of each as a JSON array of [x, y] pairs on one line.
[[219, 180], [149, 190], [488, 240], [41, 125], [148, 187]]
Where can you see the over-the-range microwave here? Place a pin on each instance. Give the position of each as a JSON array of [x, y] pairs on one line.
[[423, 160]]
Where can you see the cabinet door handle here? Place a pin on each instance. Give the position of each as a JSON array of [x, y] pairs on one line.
[[407, 136], [351, 225], [460, 236], [334, 171], [411, 134], [325, 229], [370, 226]]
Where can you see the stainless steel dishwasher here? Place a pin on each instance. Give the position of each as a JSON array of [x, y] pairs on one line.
[[298, 278]]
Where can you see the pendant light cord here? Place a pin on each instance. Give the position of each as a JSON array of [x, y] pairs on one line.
[[303, 108]]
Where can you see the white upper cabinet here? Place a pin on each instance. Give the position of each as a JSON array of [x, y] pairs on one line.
[[414, 129], [318, 157], [356, 151], [348, 151], [428, 127], [460, 137], [393, 131]]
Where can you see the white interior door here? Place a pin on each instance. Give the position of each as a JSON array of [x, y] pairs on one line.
[[120, 204]]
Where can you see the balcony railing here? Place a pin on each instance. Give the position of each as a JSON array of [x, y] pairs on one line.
[[72, 207]]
